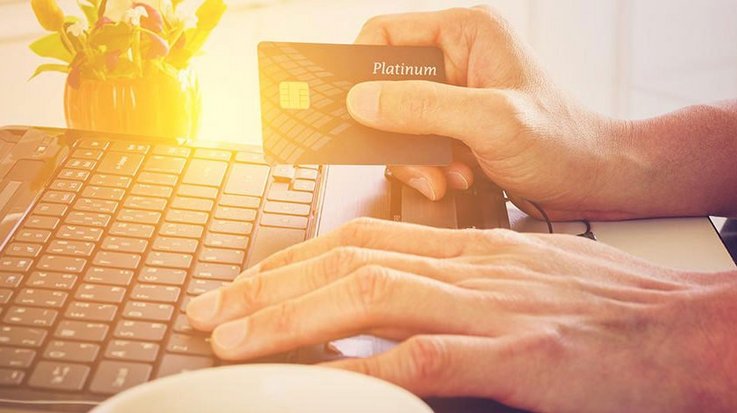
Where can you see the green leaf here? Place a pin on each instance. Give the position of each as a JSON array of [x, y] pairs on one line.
[[209, 14], [113, 36], [52, 46], [50, 67]]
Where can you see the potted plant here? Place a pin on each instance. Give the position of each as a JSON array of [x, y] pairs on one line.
[[127, 62]]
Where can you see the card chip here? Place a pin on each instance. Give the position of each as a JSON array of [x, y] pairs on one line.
[[294, 95]]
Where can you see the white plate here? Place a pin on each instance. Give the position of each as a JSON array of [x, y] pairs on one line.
[[268, 388]]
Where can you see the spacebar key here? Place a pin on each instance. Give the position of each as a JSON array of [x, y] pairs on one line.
[[270, 240]]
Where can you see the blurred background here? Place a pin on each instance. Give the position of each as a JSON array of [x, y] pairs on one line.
[[624, 58]]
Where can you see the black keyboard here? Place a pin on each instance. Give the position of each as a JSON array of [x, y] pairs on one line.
[[94, 282]]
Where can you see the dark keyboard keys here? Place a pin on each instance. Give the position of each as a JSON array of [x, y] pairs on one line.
[[140, 330], [111, 181], [59, 376], [16, 357], [177, 363], [249, 180], [41, 297], [181, 325], [183, 245], [5, 295], [58, 197], [222, 256], [10, 280], [31, 317], [240, 201], [81, 331], [116, 163], [21, 336], [205, 173], [187, 344], [169, 259], [22, 249], [164, 165], [192, 204], [284, 221], [231, 227], [100, 293], [168, 276], [226, 241], [79, 233], [110, 276], [187, 217], [235, 214], [91, 311], [145, 203], [73, 248], [125, 245], [52, 280], [15, 264], [52, 210], [137, 310], [42, 222], [139, 217], [126, 229], [117, 260], [75, 174], [11, 377], [71, 351], [132, 350], [212, 154], [32, 235], [199, 287], [167, 150], [130, 147], [92, 144], [65, 185], [290, 196], [157, 179], [115, 376], [157, 293], [62, 264], [87, 218], [196, 191], [96, 205], [86, 164], [181, 230], [103, 193], [157, 191], [287, 208]]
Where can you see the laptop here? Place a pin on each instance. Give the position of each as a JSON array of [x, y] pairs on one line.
[[105, 238]]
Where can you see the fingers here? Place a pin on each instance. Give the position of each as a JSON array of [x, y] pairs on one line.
[[370, 298], [422, 107], [504, 369], [250, 294], [432, 182]]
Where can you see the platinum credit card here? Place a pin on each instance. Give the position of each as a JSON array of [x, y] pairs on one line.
[[304, 117]]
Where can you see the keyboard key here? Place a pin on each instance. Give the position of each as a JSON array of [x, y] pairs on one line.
[[87, 218], [73, 248], [96, 205], [192, 204], [123, 244], [139, 217], [52, 280], [41, 222], [186, 344], [15, 263], [181, 325], [148, 311], [240, 201], [132, 230], [10, 280], [86, 164], [21, 249], [197, 191], [32, 235], [11, 377], [287, 208], [79, 233], [187, 217], [130, 147], [212, 154], [235, 214], [222, 256], [183, 245], [157, 179], [303, 185], [65, 185], [5, 295], [117, 260], [250, 157], [157, 293], [100, 293], [164, 165], [167, 150], [52, 210], [169, 259], [21, 336], [284, 221], [16, 357], [71, 351], [140, 330], [270, 240], [168, 276], [59, 376], [226, 241], [116, 163], [31, 317], [290, 196], [110, 276], [91, 311], [115, 376], [145, 203], [304, 173], [206, 173], [283, 173], [176, 363], [62, 264], [92, 144], [106, 194], [111, 181], [132, 350], [41, 297], [231, 227], [156, 191], [75, 174], [82, 331], [181, 230], [247, 179], [199, 287]]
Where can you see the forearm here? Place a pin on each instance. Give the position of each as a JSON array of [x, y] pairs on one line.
[[688, 161]]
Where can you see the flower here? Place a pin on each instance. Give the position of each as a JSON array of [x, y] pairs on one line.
[[133, 16], [76, 29], [116, 9], [186, 17]]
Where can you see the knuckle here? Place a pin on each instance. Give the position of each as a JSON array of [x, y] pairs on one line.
[[356, 230], [419, 104], [374, 23], [428, 358], [251, 292], [371, 288], [285, 316]]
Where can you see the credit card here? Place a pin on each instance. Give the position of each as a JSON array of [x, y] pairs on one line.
[[303, 104]]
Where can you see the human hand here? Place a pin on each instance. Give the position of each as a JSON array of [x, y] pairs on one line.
[[541, 322], [526, 135]]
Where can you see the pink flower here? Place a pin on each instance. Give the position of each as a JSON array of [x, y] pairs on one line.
[[152, 20]]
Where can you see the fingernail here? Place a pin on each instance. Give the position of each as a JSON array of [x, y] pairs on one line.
[[363, 102], [457, 180], [423, 185], [204, 307], [229, 335]]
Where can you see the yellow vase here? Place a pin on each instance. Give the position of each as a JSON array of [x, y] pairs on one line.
[[156, 104]]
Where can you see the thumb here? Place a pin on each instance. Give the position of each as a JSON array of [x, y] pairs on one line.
[[424, 107]]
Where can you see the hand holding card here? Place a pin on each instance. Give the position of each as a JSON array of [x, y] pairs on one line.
[[303, 104]]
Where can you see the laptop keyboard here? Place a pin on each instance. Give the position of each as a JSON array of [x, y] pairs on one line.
[[94, 283]]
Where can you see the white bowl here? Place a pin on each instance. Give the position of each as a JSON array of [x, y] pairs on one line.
[[268, 388]]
